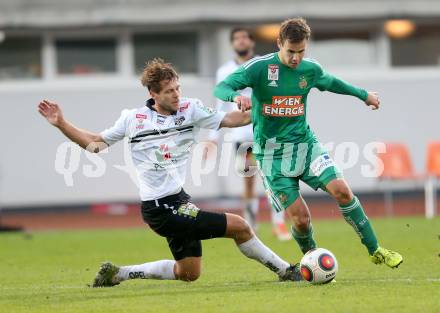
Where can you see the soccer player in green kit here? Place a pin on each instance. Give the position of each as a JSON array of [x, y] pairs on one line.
[[285, 147]]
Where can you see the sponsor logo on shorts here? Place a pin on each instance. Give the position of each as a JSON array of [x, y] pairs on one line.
[[188, 210], [284, 106], [320, 164]]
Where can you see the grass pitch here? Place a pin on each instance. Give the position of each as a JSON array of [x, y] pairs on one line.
[[50, 271]]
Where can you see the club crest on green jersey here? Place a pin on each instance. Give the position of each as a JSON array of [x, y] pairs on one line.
[[302, 82]]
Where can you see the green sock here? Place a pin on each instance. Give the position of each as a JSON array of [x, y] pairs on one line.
[[355, 216], [304, 240]]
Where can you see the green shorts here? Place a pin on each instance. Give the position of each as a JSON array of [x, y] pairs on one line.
[[308, 162]]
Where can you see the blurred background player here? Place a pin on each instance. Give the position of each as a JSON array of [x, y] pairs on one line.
[[7, 228], [243, 43]]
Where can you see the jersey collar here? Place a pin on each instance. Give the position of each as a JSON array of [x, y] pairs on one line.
[[150, 104]]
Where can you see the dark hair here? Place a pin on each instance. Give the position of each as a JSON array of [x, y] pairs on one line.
[[240, 29], [294, 30], [155, 71]]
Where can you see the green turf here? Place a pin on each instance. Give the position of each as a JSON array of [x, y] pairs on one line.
[[49, 272]]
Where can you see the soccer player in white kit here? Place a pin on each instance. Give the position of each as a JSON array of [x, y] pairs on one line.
[[160, 135], [243, 44]]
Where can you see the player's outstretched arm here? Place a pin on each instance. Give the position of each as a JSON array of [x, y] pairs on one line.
[[339, 86], [236, 119], [326, 81], [85, 139]]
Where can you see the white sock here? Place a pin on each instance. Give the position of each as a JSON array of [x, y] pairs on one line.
[[163, 269], [251, 211], [256, 250], [277, 217]]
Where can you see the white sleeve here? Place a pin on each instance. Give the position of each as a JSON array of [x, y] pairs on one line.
[[205, 117], [117, 131], [220, 75]]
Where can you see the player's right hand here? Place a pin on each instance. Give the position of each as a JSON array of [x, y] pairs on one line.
[[51, 111], [243, 103]]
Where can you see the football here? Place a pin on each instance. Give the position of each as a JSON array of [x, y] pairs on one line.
[[319, 266]]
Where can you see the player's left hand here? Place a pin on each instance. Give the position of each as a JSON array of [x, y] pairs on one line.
[[373, 100], [243, 103]]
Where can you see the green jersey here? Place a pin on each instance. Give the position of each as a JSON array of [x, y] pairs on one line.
[[279, 99]]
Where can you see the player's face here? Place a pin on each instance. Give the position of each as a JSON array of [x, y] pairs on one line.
[[292, 53], [242, 43], [169, 96]]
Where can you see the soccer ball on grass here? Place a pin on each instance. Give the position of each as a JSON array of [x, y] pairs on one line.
[[319, 266]]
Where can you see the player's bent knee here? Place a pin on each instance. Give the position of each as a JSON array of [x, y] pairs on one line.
[[237, 228], [188, 269], [303, 223], [187, 275], [299, 215], [342, 193], [244, 230]]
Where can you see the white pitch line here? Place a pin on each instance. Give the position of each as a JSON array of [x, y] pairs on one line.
[[434, 279]]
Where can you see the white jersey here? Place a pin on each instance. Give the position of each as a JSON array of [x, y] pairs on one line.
[[240, 134], [160, 144]]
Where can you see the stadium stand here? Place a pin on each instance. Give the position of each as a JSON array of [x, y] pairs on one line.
[[432, 176], [397, 168]]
